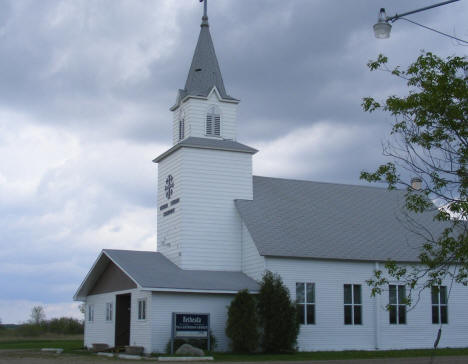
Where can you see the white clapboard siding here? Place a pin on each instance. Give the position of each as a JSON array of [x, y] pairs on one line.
[[169, 226], [419, 331], [330, 333], [163, 304], [210, 225], [205, 230], [100, 330], [195, 111], [140, 330], [253, 264]]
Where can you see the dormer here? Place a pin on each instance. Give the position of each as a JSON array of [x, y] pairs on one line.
[[203, 108]]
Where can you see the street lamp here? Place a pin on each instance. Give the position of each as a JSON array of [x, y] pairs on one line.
[[383, 27]]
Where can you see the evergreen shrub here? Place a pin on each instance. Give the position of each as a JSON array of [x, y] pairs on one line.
[[242, 323], [277, 315]]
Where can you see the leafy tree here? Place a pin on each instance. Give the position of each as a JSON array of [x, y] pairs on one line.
[[277, 315], [429, 142], [37, 315], [242, 323]]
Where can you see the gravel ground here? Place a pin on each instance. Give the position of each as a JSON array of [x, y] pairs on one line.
[[34, 357]]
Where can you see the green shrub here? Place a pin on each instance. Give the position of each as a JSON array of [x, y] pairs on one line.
[[242, 323], [277, 315]]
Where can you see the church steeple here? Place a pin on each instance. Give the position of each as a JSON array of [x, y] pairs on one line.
[[204, 73], [204, 171]]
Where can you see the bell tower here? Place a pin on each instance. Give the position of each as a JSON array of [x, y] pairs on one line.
[[204, 171], [203, 108]]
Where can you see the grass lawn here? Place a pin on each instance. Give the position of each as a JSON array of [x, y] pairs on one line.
[[69, 343], [74, 344], [337, 355]]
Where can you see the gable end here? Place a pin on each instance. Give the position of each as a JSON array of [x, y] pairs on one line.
[[111, 280]]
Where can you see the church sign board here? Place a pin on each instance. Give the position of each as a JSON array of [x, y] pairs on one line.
[[190, 326]]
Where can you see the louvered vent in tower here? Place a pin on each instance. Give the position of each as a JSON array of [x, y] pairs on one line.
[[213, 122], [217, 125], [209, 124], [181, 129]]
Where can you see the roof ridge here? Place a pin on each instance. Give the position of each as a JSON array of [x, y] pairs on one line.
[[327, 183], [131, 250]]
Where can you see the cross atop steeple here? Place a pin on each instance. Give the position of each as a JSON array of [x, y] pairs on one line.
[[205, 13]]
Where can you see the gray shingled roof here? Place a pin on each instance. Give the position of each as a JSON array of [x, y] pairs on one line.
[[152, 270], [208, 143], [292, 218], [204, 73]]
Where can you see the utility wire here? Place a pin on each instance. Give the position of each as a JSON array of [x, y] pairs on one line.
[[435, 30]]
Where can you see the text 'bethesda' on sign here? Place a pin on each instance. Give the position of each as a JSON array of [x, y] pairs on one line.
[[191, 324]]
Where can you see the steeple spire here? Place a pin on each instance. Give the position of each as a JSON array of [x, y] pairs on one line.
[[204, 73]]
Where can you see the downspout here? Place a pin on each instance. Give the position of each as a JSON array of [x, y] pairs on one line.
[[377, 315], [242, 243]]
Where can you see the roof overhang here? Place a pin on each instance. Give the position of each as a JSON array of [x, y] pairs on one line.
[[183, 290], [180, 101], [186, 144], [179, 284]]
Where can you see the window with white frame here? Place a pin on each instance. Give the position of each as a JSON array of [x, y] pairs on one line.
[[90, 312], [109, 311], [439, 305], [213, 122], [142, 309], [352, 304], [397, 304], [305, 302]]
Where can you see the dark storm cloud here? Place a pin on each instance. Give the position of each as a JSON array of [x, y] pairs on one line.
[[85, 91], [279, 57]]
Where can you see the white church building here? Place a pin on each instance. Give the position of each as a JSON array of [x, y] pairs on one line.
[[219, 228]]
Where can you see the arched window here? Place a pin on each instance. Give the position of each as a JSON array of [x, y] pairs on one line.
[[213, 122]]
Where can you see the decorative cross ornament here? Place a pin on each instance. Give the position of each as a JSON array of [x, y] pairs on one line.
[[169, 188]]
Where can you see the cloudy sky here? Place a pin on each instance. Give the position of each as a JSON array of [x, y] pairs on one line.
[[85, 91]]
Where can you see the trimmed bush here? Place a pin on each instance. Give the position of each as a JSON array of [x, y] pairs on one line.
[[242, 323], [277, 315]]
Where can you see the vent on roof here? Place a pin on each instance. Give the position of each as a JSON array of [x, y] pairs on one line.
[[197, 69]]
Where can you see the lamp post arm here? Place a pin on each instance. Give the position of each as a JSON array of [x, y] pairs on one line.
[[397, 16]]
